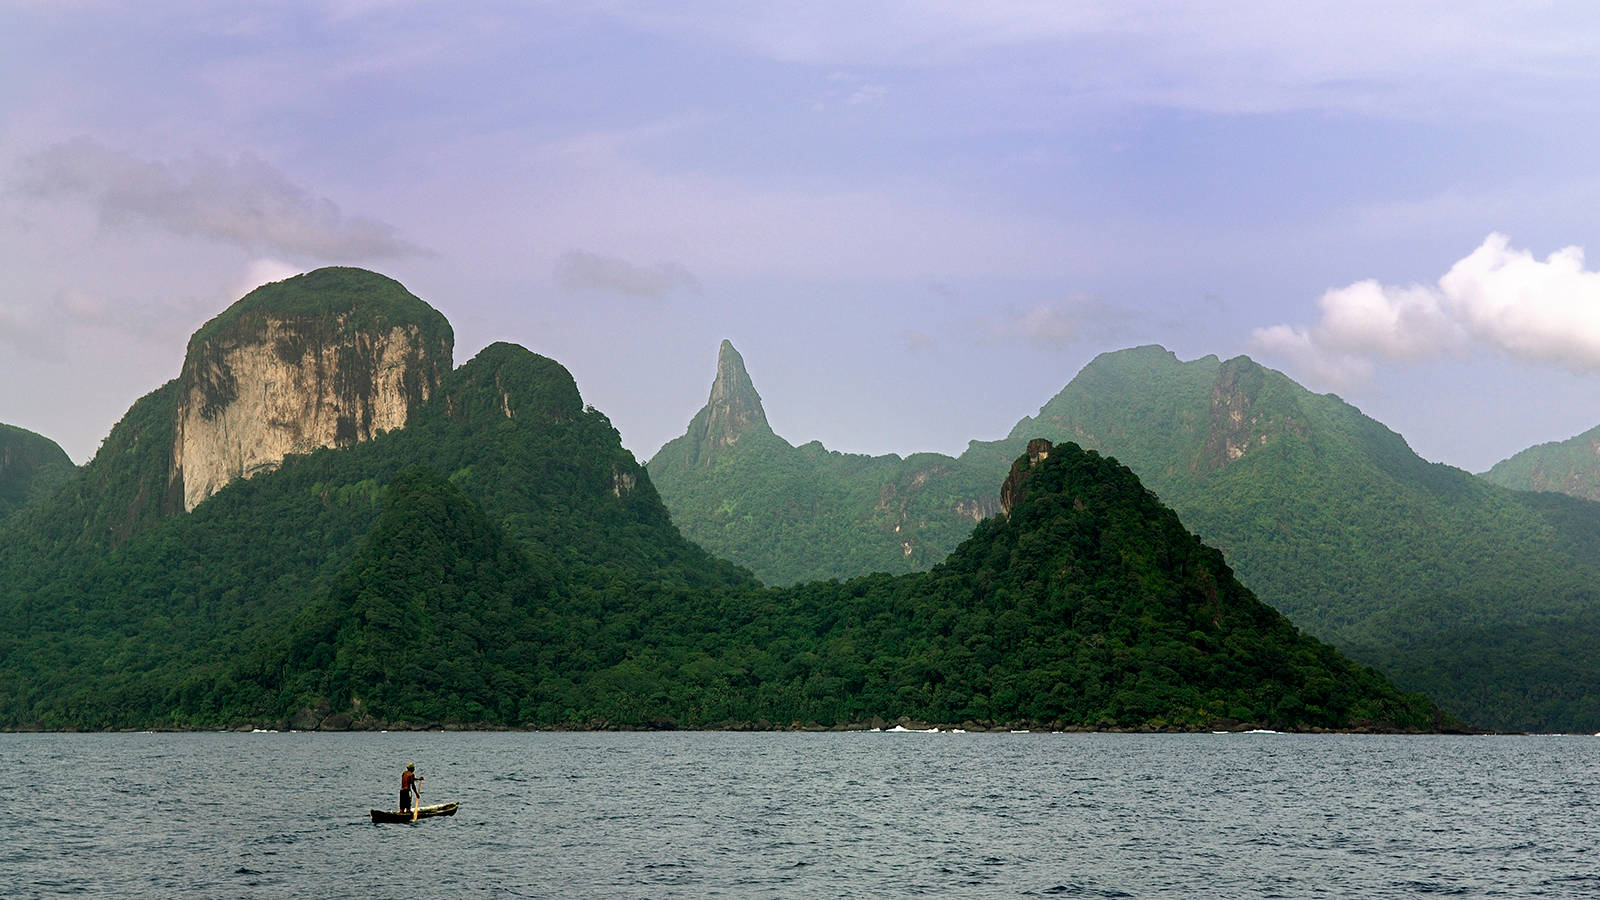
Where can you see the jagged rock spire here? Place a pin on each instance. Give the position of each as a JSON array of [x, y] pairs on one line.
[[732, 412], [734, 407]]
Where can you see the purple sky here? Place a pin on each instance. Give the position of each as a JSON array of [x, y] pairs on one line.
[[916, 221]]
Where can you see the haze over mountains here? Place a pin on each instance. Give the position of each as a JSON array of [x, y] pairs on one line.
[[473, 545], [1482, 596]]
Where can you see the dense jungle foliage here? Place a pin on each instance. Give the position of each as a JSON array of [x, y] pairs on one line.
[[1324, 512], [31, 468], [504, 561], [147, 629], [794, 514], [1089, 606]]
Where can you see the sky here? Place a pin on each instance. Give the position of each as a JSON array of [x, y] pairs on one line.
[[916, 221]]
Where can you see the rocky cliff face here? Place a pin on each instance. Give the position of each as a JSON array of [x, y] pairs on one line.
[[1039, 450], [325, 359], [732, 411]]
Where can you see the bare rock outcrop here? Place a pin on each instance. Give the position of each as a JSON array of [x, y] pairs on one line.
[[326, 359]]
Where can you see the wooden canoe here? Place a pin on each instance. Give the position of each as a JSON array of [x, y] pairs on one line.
[[380, 816]]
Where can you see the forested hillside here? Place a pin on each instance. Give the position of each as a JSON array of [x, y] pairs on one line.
[[502, 560], [154, 629], [1088, 606], [1419, 568], [31, 468], [806, 513]]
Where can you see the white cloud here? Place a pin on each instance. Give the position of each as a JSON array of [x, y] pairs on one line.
[[1401, 323], [578, 270], [1498, 298], [1304, 354], [246, 202], [1548, 311], [1045, 326]]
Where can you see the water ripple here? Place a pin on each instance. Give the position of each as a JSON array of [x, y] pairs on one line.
[[801, 815]]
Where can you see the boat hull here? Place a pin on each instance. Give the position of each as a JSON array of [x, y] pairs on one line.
[[383, 816]]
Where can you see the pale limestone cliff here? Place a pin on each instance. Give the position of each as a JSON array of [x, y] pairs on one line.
[[293, 386]]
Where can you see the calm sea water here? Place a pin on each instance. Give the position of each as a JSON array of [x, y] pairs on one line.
[[801, 815]]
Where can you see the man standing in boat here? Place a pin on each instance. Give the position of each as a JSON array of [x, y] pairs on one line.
[[408, 786]]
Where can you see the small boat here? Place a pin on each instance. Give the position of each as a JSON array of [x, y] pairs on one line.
[[380, 816]]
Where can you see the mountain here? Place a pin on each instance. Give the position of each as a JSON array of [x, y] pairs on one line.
[[323, 359], [1087, 580], [1569, 467], [795, 514], [1416, 567], [31, 467], [169, 626], [1085, 604], [501, 560]]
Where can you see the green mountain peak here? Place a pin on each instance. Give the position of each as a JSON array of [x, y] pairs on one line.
[[1417, 567], [510, 381], [362, 300]]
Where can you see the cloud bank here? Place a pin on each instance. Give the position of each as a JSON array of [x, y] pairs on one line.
[[246, 202], [578, 270], [1542, 311]]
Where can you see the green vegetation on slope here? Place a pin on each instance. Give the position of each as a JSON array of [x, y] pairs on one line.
[[151, 631], [1323, 511], [1348, 532], [365, 301], [794, 514], [1569, 467], [31, 468], [126, 488], [306, 597], [503, 560]]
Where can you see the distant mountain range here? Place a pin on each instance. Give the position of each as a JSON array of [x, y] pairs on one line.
[[1484, 597], [323, 524], [794, 514]]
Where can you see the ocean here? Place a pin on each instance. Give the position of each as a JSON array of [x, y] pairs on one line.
[[697, 814]]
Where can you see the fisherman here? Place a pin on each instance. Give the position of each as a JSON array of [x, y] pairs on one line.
[[408, 786]]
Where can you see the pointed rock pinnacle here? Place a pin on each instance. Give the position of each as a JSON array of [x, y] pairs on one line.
[[734, 408]]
